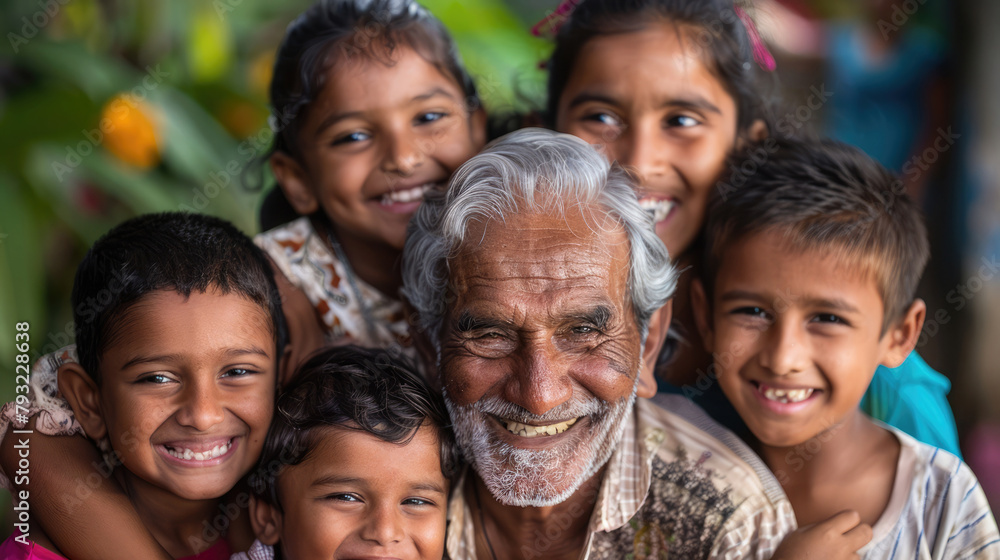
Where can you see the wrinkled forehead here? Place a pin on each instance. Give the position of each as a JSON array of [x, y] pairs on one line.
[[579, 255]]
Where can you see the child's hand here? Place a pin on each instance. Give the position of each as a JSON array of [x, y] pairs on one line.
[[837, 538]]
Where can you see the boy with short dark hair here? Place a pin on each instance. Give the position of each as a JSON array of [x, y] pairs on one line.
[[358, 463], [179, 332], [809, 284]]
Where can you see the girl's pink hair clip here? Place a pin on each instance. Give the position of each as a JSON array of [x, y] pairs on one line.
[[761, 55], [550, 24]]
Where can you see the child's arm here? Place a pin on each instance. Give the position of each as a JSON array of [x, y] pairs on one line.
[[83, 512], [305, 333], [839, 537]]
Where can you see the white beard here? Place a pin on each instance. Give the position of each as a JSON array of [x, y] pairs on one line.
[[543, 477]]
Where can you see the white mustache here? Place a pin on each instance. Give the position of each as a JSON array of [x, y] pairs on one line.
[[500, 408]]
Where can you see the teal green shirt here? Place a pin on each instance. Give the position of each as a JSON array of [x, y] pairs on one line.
[[913, 398]]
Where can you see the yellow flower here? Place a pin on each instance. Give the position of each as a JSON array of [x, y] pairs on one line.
[[130, 131], [260, 70]]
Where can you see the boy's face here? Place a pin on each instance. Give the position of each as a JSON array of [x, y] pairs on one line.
[[796, 338], [187, 391], [356, 496]]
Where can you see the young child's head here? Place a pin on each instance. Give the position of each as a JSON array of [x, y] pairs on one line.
[[374, 107], [809, 282], [179, 330], [669, 87], [358, 462]]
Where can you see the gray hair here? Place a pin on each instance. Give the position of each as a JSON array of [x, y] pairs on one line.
[[538, 171]]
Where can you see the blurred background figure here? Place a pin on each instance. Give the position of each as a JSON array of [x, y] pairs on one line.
[[112, 108]]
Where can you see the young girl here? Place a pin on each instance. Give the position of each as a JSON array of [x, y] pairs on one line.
[[374, 109], [672, 88]]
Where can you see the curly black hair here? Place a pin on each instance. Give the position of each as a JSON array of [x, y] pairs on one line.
[[368, 390]]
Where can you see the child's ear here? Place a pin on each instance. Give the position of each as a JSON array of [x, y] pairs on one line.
[[659, 324], [294, 183], [902, 337], [702, 314], [477, 125], [266, 521], [84, 397], [757, 131], [285, 366]]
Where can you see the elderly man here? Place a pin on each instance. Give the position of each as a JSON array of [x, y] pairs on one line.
[[541, 286]]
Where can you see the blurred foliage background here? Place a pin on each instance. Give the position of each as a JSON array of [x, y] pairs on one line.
[[112, 108]]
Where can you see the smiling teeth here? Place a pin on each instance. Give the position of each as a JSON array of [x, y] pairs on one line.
[[659, 209], [409, 195], [188, 455], [787, 395], [524, 430]]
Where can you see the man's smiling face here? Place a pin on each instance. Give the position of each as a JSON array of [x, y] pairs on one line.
[[539, 352]]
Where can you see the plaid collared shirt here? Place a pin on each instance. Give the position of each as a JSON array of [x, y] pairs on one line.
[[678, 486]]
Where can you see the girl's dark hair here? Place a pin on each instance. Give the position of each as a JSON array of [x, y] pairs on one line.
[[332, 30], [176, 251], [713, 27], [348, 387]]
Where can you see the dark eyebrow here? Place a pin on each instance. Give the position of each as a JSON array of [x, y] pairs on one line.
[[333, 480], [333, 119], [836, 304], [434, 93], [828, 303], [430, 487], [165, 358], [695, 102], [467, 322], [741, 294], [584, 97]]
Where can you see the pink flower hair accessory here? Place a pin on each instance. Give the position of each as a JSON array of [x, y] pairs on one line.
[[761, 55], [550, 24]]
